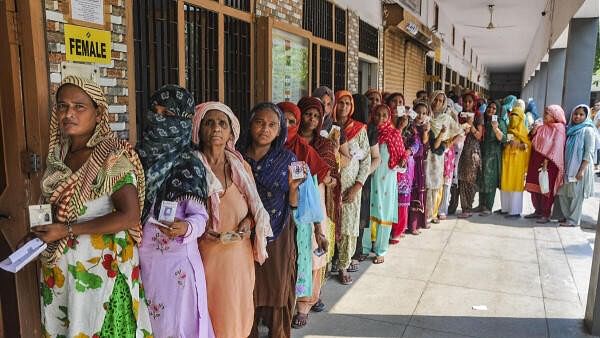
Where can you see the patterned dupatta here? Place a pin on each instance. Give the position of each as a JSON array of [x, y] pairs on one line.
[[271, 173], [111, 159], [173, 172]]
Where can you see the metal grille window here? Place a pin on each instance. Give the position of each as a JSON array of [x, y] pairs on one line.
[[340, 25], [454, 77], [317, 17], [155, 43], [448, 75], [314, 67], [242, 5], [237, 67], [438, 70], [429, 65], [368, 41], [201, 53], [325, 67], [340, 71]]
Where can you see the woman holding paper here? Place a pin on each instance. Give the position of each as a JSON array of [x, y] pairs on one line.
[[580, 150], [353, 177], [172, 268], [547, 155], [234, 209], [321, 165], [515, 159], [384, 193], [491, 152], [90, 271], [444, 128], [469, 164], [274, 294]]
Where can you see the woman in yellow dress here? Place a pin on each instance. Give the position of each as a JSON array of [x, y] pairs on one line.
[[515, 159]]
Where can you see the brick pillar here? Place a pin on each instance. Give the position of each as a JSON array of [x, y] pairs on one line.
[[352, 38]]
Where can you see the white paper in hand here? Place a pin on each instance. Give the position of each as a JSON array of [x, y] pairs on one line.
[[25, 254], [167, 211]]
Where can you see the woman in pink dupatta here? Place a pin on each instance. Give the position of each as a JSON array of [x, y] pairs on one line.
[[548, 142]]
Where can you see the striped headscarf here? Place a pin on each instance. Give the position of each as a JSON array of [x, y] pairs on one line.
[[111, 160]]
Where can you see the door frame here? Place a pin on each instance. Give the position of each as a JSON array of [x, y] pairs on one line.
[[24, 93]]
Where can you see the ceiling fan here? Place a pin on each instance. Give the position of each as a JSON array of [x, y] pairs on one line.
[[490, 26]]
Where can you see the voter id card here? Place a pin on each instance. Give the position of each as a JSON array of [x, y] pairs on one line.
[[40, 214], [167, 211]]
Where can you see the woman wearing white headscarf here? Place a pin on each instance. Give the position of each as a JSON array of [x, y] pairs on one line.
[[444, 128], [235, 211]]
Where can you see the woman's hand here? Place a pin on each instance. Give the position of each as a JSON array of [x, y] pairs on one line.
[[350, 193], [329, 181], [294, 184], [426, 127], [50, 232], [494, 124], [245, 225], [522, 146], [545, 165], [322, 241], [579, 175], [178, 228]]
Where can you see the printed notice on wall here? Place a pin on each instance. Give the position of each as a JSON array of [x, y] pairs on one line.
[[91, 11], [290, 67], [87, 44]]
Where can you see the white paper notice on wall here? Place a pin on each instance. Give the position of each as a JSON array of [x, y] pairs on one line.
[[91, 11]]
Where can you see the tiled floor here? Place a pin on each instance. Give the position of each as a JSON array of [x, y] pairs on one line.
[[532, 278]]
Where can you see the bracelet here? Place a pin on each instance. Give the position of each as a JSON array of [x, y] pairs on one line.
[[70, 234], [189, 230]]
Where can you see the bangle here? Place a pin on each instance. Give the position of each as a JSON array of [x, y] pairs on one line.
[[189, 230], [70, 234]]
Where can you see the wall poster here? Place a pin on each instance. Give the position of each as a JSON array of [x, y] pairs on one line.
[[290, 67]]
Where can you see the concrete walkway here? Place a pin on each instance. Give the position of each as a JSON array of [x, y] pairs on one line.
[[533, 279]]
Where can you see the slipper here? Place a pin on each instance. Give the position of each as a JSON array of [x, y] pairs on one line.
[[415, 232], [531, 216], [435, 221], [567, 225], [543, 220], [318, 307], [362, 257], [394, 241], [513, 216], [464, 215], [378, 260], [485, 213], [499, 211], [353, 266], [442, 217], [299, 321], [427, 226], [345, 279]]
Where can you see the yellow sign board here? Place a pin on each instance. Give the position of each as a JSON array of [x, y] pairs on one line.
[[87, 44]]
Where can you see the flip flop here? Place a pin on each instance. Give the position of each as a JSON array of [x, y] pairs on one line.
[[318, 307], [345, 279], [378, 260], [300, 320], [567, 225], [353, 267]]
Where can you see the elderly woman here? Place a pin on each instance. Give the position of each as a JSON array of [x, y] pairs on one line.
[[234, 209], [579, 170], [515, 159], [491, 152], [274, 293], [444, 129], [384, 210], [95, 183], [172, 268], [547, 154], [353, 178]]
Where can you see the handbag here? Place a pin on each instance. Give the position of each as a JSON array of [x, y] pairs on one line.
[[544, 181], [309, 202]]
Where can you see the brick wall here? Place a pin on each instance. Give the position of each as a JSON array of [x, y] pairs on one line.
[[352, 38], [112, 78], [380, 68], [289, 11]]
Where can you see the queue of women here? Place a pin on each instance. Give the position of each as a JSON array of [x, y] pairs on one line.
[[244, 248]]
